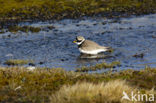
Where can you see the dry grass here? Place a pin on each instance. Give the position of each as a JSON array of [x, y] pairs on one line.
[[85, 92]]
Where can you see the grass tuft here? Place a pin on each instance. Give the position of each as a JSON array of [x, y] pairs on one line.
[[84, 92]]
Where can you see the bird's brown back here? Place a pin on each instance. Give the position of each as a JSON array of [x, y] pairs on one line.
[[90, 45]]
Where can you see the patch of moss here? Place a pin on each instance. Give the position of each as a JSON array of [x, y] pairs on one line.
[[2, 31], [17, 62], [13, 29], [98, 67], [24, 29]]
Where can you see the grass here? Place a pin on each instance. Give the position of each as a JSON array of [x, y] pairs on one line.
[[98, 66], [58, 9], [17, 62], [18, 84]]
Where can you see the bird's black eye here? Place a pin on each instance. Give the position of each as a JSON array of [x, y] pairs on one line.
[[78, 40]]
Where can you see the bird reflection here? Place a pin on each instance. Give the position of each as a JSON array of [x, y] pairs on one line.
[[84, 58]]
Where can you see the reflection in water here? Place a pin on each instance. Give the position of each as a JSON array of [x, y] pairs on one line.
[[97, 56], [84, 58]]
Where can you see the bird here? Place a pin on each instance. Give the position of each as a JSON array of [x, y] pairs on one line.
[[89, 47]]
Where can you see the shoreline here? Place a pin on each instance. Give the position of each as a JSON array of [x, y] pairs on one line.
[[10, 22]]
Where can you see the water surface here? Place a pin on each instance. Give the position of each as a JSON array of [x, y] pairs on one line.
[[54, 48]]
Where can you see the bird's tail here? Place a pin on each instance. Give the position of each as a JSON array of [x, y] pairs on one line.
[[109, 49]]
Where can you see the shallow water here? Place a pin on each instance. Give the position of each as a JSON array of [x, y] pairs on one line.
[[54, 48]]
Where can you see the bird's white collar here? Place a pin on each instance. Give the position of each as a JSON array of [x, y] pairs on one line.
[[79, 43]]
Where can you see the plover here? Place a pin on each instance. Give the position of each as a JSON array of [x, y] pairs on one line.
[[89, 47]]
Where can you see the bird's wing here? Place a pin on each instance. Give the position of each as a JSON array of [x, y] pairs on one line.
[[90, 45]]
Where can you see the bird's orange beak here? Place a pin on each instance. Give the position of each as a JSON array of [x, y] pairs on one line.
[[74, 41]]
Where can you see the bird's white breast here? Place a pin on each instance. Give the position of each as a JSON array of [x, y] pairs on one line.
[[91, 52]]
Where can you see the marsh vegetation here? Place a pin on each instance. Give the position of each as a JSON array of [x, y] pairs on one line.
[[48, 85], [58, 9]]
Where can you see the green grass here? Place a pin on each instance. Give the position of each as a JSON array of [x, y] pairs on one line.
[[18, 84], [58, 9]]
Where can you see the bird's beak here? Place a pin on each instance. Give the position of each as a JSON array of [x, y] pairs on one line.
[[74, 41]]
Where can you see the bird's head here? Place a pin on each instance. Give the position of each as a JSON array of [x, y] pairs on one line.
[[79, 40]]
